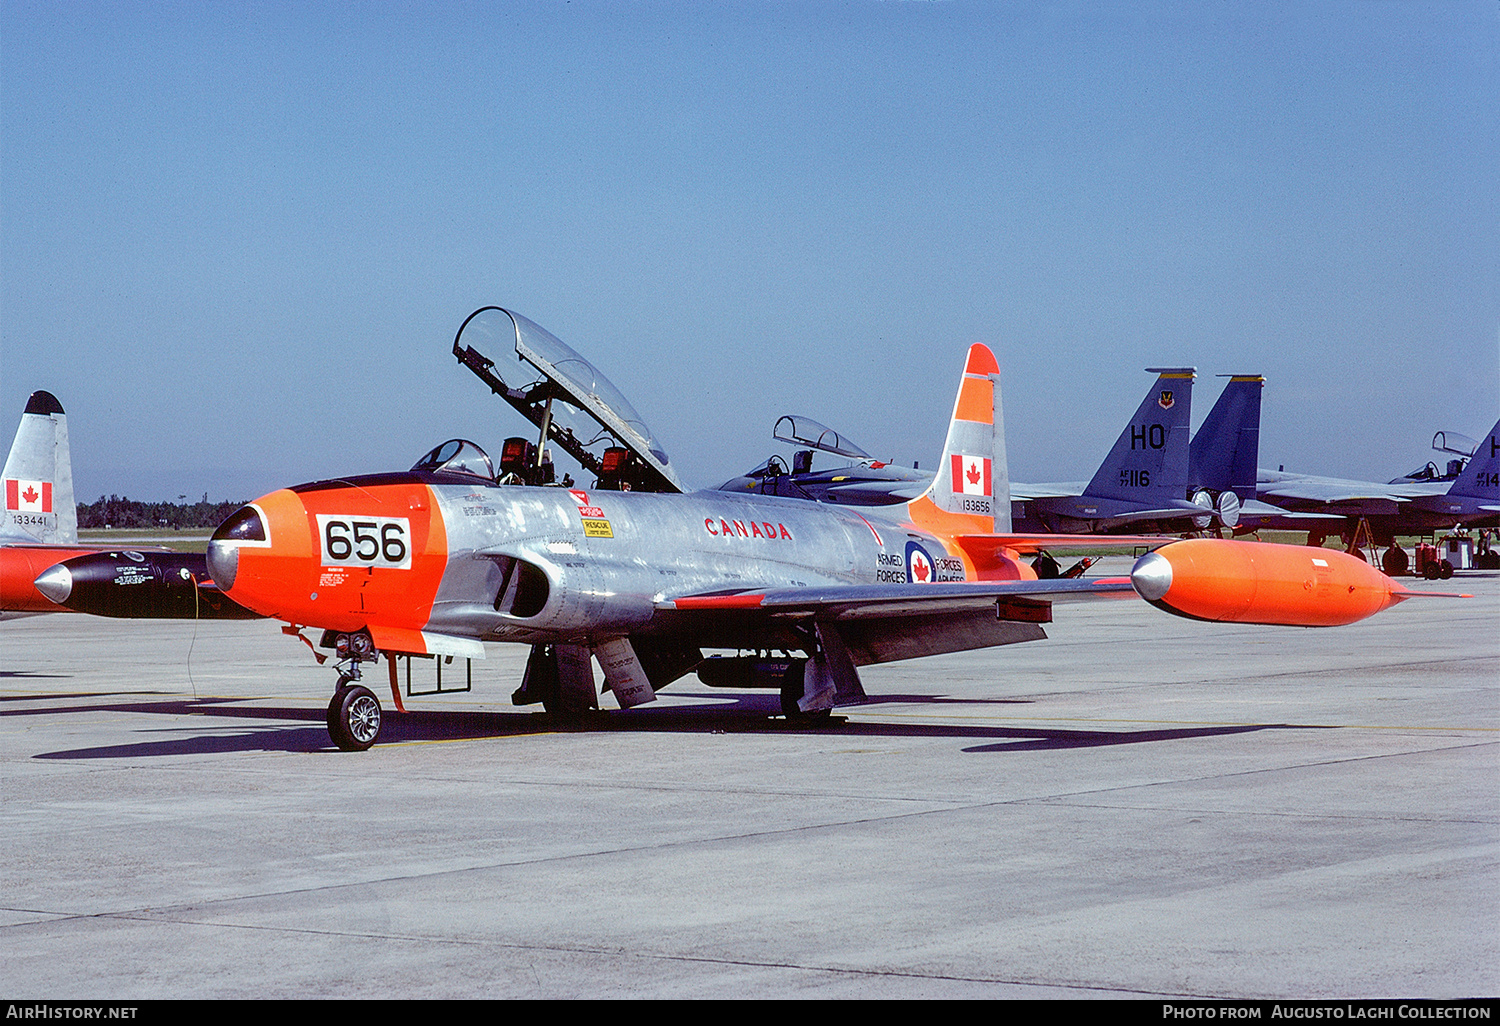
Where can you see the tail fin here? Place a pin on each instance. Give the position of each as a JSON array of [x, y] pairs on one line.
[[1149, 462], [971, 491], [1224, 453], [38, 478], [1481, 478]]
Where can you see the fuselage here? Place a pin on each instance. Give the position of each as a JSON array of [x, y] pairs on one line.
[[471, 559]]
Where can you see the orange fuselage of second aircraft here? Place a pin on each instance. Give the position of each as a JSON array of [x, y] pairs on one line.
[[19, 567]]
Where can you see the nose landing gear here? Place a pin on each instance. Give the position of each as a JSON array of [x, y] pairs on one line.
[[354, 711], [354, 718]]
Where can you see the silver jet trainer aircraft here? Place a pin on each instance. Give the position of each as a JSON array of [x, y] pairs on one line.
[[439, 559]]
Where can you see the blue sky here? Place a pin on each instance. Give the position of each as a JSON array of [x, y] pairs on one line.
[[236, 239]]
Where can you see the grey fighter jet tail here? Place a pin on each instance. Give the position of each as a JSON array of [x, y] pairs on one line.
[[1149, 462], [1223, 455], [38, 478], [1481, 478], [1143, 479]]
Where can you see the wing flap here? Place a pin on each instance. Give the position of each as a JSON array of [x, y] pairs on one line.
[[916, 635], [885, 623], [882, 622], [880, 601]]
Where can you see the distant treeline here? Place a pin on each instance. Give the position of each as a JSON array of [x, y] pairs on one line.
[[116, 511]]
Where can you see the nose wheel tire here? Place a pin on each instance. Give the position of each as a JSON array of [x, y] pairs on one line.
[[354, 718]]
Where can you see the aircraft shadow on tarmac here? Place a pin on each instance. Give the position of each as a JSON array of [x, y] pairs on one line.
[[747, 714]]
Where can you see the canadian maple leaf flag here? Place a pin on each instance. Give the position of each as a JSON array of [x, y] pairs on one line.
[[28, 496], [971, 475]]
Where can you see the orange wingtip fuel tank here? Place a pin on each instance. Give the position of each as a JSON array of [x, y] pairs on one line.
[[1259, 582]]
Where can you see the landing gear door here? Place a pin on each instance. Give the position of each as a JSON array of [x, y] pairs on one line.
[[623, 673]]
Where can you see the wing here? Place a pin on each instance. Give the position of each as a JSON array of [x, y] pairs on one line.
[[1365, 497], [1020, 492], [883, 622]]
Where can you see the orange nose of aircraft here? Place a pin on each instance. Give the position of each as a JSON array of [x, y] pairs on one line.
[[261, 555], [1252, 582], [333, 555]]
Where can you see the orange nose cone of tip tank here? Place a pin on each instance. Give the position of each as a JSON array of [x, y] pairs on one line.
[[1256, 582]]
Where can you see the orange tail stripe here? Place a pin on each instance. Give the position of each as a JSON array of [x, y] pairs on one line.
[[976, 401]]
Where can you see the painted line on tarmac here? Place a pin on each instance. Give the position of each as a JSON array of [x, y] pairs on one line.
[[894, 717]]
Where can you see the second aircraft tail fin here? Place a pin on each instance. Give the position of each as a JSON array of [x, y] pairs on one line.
[[1224, 453], [1481, 478], [38, 478]]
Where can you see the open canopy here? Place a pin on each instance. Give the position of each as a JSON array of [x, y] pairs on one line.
[[576, 405]]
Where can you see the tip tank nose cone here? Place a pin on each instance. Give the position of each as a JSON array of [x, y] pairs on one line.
[[55, 582], [1152, 576]]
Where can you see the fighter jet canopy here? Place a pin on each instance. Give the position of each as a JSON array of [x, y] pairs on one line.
[[1454, 442], [806, 431]]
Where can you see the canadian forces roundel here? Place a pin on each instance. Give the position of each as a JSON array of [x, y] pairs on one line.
[[918, 564]]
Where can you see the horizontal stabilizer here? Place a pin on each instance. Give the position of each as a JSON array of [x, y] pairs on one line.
[[983, 546], [876, 493]]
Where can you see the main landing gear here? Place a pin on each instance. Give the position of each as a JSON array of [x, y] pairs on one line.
[[791, 694]]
